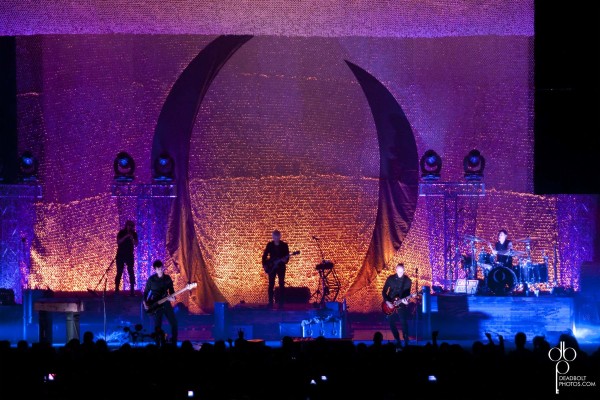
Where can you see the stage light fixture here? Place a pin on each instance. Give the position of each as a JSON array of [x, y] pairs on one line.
[[431, 165], [164, 168], [28, 167], [124, 167], [474, 164]]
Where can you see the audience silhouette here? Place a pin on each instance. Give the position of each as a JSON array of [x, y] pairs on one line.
[[298, 369]]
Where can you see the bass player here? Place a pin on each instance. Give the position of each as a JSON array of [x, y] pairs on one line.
[[396, 294], [159, 286]]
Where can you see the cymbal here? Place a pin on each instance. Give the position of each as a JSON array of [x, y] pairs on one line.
[[511, 253], [527, 239], [472, 238]]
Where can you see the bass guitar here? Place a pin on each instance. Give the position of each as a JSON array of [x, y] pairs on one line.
[[271, 266], [396, 303], [152, 306]]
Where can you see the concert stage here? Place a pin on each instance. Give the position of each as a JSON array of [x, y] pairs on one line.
[[457, 317]]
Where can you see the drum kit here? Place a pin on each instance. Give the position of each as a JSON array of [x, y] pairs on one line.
[[502, 279]]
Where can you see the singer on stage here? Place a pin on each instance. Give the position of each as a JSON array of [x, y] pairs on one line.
[[127, 239]]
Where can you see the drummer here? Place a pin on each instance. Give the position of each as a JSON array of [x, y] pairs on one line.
[[501, 248]]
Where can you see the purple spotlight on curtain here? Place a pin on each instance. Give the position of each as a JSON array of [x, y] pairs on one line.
[[398, 178], [172, 136]]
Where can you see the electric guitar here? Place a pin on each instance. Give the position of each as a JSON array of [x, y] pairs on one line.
[[271, 266], [396, 303], [155, 305]]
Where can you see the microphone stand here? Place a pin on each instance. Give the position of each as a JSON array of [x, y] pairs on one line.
[[316, 239], [104, 278], [104, 305], [417, 313]]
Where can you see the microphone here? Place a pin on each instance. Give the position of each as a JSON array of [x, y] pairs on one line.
[[316, 238]]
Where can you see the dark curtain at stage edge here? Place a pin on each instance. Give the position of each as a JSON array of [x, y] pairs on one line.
[[173, 134], [398, 178]]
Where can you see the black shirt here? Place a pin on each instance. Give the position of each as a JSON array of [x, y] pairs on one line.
[[273, 251], [158, 288], [506, 261], [396, 287], [125, 249]]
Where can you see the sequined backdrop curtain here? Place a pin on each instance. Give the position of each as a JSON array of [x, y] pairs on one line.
[[172, 135], [285, 126]]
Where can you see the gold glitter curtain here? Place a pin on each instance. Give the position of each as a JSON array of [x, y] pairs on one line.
[[172, 135]]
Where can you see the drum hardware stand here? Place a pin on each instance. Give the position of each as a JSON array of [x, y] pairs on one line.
[[483, 286], [454, 267], [456, 259], [473, 262], [528, 249], [523, 270], [554, 263], [485, 289], [528, 266], [545, 258], [525, 287]]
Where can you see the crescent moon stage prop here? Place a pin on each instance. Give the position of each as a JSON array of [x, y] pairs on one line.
[[172, 135], [398, 178]]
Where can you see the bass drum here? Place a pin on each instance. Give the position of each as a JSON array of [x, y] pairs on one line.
[[501, 280]]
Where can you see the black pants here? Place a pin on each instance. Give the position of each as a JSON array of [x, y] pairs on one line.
[[280, 274], [121, 261], [399, 317], [166, 310]]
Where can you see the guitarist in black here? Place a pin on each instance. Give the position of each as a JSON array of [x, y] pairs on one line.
[[398, 286], [159, 286], [274, 259]]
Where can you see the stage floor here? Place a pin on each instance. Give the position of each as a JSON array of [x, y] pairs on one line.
[[459, 318]]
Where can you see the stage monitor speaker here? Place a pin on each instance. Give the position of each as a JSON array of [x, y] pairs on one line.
[[589, 279], [293, 294], [292, 329], [221, 321], [334, 307], [7, 297]]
